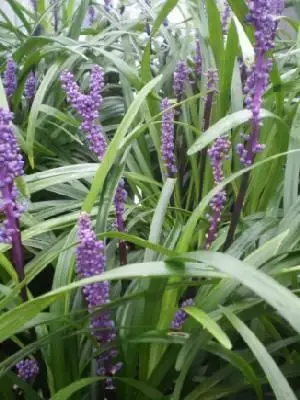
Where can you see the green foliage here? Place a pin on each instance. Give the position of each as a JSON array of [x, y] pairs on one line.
[[241, 337]]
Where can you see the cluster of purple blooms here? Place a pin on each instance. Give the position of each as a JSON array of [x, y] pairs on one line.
[[262, 15], [90, 261], [11, 167], [87, 106], [168, 145], [10, 78], [180, 315], [10, 81], [27, 369], [119, 200], [217, 154], [180, 78], [30, 86]]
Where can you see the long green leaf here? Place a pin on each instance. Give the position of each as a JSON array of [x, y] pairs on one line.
[[275, 377]]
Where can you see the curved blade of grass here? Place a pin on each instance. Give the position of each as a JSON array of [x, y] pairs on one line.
[[226, 124], [210, 325], [275, 377]]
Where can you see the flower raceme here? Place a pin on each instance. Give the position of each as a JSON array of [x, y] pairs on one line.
[[30, 87], [262, 15], [11, 167], [87, 106], [90, 261], [217, 154], [167, 140], [180, 78], [180, 315], [10, 77]]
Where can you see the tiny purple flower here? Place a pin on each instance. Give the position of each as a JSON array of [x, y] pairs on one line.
[[10, 77], [27, 369], [181, 77], [180, 315], [167, 145]]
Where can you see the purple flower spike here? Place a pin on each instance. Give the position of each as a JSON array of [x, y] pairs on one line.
[[30, 87], [87, 106], [226, 14], [119, 200], [10, 77], [198, 59], [11, 167], [217, 154], [262, 17], [181, 77], [212, 79], [27, 369], [180, 315], [90, 261], [167, 146]]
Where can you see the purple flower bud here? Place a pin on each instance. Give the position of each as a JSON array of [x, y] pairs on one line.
[[119, 200], [11, 167], [181, 77], [30, 86], [90, 261], [167, 145], [198, 59], [10, 77], [212, 79], [217, 154], [180, 315], [27, 369]]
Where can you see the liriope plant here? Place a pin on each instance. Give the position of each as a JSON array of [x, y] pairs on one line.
[[117, 280]]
